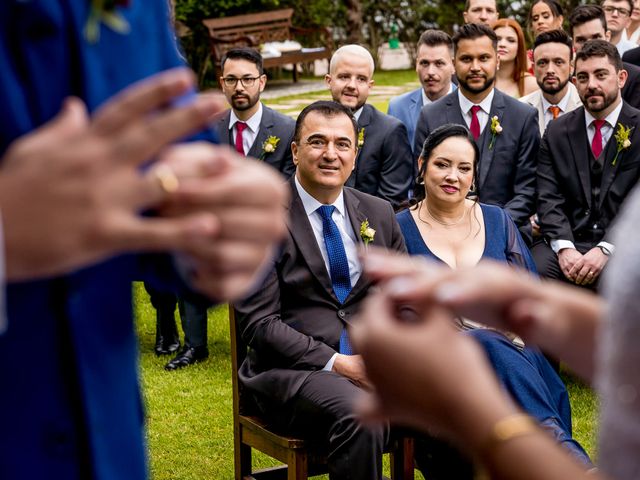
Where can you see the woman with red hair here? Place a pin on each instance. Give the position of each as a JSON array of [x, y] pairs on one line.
[[512, 77]]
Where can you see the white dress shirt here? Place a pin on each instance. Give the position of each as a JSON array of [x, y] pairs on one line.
[[426, 100], [562, 104], [483, 113], [341, 218], [606, 130], [251, 132]]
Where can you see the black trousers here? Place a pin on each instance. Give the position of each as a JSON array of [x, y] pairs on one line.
[[547, 264]]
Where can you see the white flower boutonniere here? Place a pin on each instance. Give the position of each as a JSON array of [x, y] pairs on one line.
[[496, 129], [269, 146], [361, 137], [366, 233], [622, 140], [105, 11]]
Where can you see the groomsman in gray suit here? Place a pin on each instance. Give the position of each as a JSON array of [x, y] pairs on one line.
[[434, 66], [251, 128], [384, 165], [506, 130]]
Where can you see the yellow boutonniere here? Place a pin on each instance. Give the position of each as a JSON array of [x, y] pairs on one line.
[[622, 140], [366, 233], [496, 129], [104, 11], [269, 146], [361, 137]]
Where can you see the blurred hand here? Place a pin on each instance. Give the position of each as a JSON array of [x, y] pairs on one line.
[[567, 259], [71, 191], [352, 367]]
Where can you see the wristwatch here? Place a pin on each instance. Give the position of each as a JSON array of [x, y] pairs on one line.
[[604, 250]]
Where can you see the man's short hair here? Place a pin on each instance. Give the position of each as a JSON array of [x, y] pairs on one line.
[[467, 5], [352, 49], [472, 31], [585, 13], [243, 53], [554, 36], [326, 108], [630, 2], [435, 38], [600, 48]]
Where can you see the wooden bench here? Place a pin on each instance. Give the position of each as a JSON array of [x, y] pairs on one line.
[[301, 460], [255, 29]]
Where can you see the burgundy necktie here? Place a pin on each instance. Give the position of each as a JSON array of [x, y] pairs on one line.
[[596, 143], [555, 111], [475, 124], [240, 126]]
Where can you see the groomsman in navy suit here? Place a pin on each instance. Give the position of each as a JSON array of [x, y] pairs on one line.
[[384, 166], [505, 129], [250, 127], [434, 66]]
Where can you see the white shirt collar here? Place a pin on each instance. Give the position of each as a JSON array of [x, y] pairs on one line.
[[426, 100], [485, 105], [357, 113], [562, 103], [253, 123], [611, 119], [311, 204]]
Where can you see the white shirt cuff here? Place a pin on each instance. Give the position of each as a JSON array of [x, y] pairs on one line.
[[557, 245], [329, 366], [608, 246]]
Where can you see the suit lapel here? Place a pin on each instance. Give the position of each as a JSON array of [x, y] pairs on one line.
[[266, 124], [224, 134], [486, 153], [302, 233], [356, 217], [416, 106], [363, 122], [576, 135], [452, 111], [626, 118]]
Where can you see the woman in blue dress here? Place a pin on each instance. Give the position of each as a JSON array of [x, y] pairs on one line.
[[447, 224]]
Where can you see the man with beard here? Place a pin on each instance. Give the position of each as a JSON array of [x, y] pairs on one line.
[[254, 129], [552, 54], [434, 66], [384, 165], [505, 129], [587, 165], [589, 22]]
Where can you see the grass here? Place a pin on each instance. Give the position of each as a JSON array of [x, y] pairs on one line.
[[189, 412]]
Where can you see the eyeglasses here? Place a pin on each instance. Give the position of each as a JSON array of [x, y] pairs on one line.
[[322, 144], [245, 81], [623, 12]]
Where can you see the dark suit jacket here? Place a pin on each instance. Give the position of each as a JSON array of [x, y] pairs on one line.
[[272, 123], [564, 180], [384, 165], [507, 171], [632, 56], [293, 322], [631, 89]]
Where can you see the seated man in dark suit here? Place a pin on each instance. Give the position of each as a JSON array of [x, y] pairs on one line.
[[252, 128], [505, 129], [588, 22], [587, 165], [384, 166], [300, 366]]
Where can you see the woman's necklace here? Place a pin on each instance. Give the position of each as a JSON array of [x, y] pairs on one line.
[[437, 220]]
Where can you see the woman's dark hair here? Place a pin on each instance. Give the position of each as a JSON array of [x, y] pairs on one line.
[[554, 6], [434, 139]]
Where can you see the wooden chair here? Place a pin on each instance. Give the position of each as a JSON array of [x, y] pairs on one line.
[[301, 460]]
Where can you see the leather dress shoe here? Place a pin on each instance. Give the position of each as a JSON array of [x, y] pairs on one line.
[[167, 337], [166, 346], [188, 356]]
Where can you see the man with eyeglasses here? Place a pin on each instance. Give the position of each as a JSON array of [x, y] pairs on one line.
[[618, 15], [384, 166], [251, 128], [300, 366]]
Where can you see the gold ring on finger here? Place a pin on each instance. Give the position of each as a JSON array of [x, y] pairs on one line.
[[167, 178]]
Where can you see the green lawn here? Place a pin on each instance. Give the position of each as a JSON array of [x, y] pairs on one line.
[[189, 410]]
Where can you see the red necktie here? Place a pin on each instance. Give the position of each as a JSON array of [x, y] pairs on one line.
[[596, 143], [240, 126], [475, 124], [555, 111]]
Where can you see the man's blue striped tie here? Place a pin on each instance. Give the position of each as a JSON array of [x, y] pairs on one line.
[[338, 265]]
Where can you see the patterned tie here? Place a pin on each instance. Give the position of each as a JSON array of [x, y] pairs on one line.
[[338, 265], [596, 143], [240, 127], [475, 123], [555, 111]]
